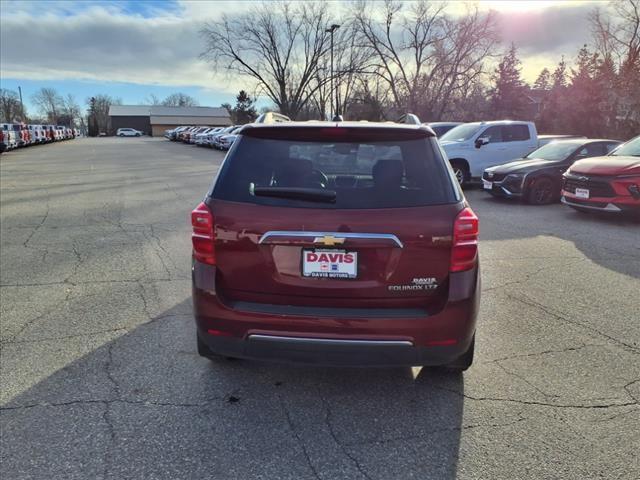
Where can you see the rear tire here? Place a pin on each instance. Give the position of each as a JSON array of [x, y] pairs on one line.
[[541, 192], [461, 171], [464, 361]]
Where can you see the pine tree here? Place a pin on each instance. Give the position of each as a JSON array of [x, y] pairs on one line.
[[92, 123], [543, 82], [553, 116], [245, 111], [585, 115], [508, 97], [560, 74]]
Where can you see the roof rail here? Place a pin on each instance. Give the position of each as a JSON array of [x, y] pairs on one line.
[[409, 118], [272, 117]]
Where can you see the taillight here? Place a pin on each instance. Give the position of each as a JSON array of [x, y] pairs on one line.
[[464, 252], [202, 237]]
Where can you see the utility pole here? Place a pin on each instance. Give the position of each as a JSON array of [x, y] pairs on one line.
[[21, 105], [330, 30]]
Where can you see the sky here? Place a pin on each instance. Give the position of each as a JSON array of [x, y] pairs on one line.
[[131, 49]]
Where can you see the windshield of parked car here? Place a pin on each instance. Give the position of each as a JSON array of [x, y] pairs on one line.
[[631, 148], [359, 174], [554, 151], [461, 133]]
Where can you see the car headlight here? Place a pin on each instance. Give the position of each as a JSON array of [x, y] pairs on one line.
[[514, 177]]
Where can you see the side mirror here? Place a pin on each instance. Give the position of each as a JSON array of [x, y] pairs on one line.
[[480, 141]]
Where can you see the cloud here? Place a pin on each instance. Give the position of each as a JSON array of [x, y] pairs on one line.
[[159, 43], [551, 31], [99, 43]]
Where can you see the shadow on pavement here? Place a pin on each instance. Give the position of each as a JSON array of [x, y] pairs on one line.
[[608, 240], [144, 405]]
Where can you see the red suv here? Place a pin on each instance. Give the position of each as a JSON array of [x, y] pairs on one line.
[[336, 243], [607, 184]]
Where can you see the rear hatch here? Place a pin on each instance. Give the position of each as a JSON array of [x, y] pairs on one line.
[[339, 217]]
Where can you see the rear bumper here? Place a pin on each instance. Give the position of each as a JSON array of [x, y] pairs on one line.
[[330, 352], [337, 338]]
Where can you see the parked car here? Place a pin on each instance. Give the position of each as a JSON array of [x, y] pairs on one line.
[[62, 132], [209, 140], [192, 135], [440, 128], [186, 134], [336, 243], [52, 133], [128, 132], [225, 141], [215, 139], [202, 137], [173, 135], [38, 134], [607, 184], [474, 147], [537, 177], [23, 138], [8, 137]]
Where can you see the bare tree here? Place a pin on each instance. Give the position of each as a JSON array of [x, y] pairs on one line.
[[278, 45], [152, 99], [70, 111], [10, 108], [49, 103], [617, 36], [179, 99], [424, 56]]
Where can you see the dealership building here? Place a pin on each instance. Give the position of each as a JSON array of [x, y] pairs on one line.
[[154, 120]]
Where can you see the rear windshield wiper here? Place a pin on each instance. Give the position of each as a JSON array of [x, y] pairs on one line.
[[307, 194]]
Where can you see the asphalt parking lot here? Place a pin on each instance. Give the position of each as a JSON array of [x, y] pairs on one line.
[[100, 378]]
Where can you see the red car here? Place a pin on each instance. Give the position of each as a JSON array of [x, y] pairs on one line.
[[608, 184], [336, 243]]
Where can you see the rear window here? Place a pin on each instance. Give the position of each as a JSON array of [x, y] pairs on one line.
[[363, 174]]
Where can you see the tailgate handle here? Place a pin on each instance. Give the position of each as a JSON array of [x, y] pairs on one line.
[[327, 239]]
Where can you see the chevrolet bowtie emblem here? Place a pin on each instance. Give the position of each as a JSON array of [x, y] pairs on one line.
[[329, 240]]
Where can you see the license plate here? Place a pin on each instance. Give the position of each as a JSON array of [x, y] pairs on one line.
[[487, 185], [582, 193], [329, 263]]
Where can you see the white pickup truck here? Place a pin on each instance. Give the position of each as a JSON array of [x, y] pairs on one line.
[[473, 147]]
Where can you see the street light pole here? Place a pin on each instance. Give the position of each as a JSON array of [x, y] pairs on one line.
[[330, 30]]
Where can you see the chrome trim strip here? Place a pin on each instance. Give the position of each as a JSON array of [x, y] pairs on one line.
[[331, 341], [609, 208], [361, 236]]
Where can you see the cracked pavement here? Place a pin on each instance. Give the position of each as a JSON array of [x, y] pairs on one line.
[[100, 379]]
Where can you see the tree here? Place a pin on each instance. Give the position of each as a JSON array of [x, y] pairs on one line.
[[179, 99], [70, 112], [92, 122], [584, 116], [543, 82], [99, 112], [427, 58], [244, 111], [616, 37], [10, 107], [277, 45], [49, 103], [508, 97], [560, 75], [152, 99]]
